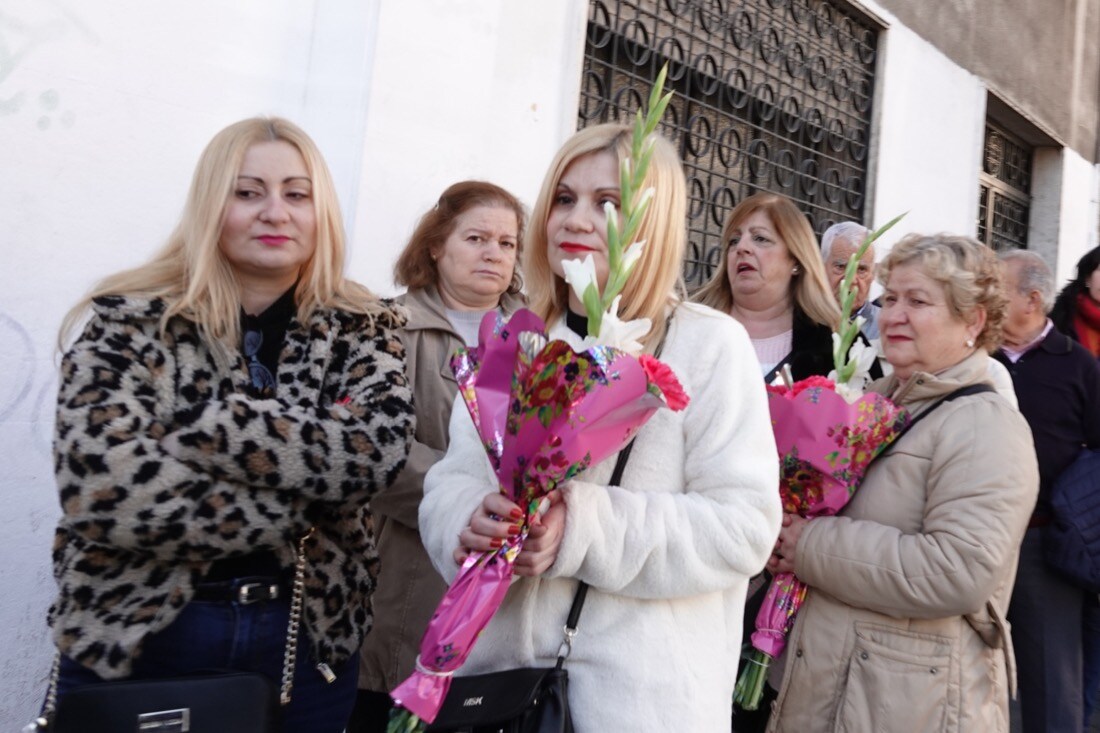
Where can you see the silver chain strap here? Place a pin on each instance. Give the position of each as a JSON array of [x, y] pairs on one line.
[[290, 653], [42, 722]]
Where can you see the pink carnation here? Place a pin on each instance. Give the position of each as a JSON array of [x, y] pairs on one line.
[[662, 376]]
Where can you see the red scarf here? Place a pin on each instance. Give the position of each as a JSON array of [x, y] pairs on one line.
[[1086, 322]]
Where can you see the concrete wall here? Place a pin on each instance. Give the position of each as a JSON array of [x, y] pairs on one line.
[[104, 108], [1041, 55]]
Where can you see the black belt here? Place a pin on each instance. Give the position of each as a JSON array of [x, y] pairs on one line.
[[253, 589]]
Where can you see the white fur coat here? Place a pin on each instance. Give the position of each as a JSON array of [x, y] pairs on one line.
[[668, 554]]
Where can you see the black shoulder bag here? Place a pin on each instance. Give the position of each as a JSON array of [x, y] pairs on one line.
[[242, 702], [524, 700]]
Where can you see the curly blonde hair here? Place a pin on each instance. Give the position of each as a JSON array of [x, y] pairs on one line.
[[968, 271]]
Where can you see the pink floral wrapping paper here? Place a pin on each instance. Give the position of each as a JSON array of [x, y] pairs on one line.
[[825, 445], [545, 413]]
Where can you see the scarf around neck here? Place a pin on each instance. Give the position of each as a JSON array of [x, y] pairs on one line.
[[1086, 321]]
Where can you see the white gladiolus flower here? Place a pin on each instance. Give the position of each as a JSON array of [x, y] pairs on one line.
[[632, 253], [850, 394], [863, 357], [620, 334], [580, 274]]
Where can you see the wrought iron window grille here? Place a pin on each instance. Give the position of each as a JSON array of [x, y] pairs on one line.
[[771, 95]]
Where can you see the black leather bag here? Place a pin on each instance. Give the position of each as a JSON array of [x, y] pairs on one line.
[[523, 700], [240, 702], [211, 702], [526, 700]]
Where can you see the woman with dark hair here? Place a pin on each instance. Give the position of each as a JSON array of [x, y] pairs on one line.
[[1076, 311], [459, 264], [222, 422]]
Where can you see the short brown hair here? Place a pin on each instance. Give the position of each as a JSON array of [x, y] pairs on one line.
[[416, 268]]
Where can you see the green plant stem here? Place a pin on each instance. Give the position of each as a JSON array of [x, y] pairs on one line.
[[750, 685], [403, 721], [632, 174], [848, 329]]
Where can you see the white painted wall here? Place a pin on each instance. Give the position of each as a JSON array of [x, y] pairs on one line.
[[930, 123], [1079, 219], [461, 91], [104, 108]]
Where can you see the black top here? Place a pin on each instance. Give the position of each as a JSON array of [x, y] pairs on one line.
[[1057, 384], [812, 350], [272, 323], [578, 324]]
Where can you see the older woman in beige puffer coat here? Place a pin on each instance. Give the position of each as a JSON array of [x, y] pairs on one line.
[[903, 628]]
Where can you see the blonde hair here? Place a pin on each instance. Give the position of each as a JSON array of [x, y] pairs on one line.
[[811, 293], [652, 287], [191, 274], [969, 272]]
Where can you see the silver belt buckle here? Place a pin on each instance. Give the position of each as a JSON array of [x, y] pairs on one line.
[[256, 592]]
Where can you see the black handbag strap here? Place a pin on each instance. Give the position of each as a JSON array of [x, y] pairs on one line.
[[960, 392], [582, 587], [616, 479]]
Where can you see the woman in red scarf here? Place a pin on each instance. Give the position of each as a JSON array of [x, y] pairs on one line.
[[1077, 309]]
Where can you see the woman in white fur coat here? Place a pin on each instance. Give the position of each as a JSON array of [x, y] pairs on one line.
[[669, 552]]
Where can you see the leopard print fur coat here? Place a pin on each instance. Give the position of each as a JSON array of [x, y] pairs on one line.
[[166, 461]]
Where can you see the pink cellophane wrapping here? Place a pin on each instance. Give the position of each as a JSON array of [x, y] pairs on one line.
[[543, 419], [825, 445]]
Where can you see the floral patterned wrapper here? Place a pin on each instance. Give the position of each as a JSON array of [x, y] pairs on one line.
[[545, 413], [825, 445]]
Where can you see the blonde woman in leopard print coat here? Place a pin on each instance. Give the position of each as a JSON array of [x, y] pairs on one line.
[[191, 459]]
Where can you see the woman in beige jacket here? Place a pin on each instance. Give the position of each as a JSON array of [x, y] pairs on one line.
[[903, 627], [459, 264]]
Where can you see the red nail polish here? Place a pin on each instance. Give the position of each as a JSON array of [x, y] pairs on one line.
[[516, 513], [514, 529], [496, 543]]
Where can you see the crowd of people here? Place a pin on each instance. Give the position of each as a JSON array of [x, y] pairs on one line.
[[241, 427]]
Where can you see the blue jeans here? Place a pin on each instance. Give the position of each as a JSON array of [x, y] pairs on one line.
[[246, 638]]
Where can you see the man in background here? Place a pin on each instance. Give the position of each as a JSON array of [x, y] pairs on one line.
[[838, 244], [1057, 384]]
